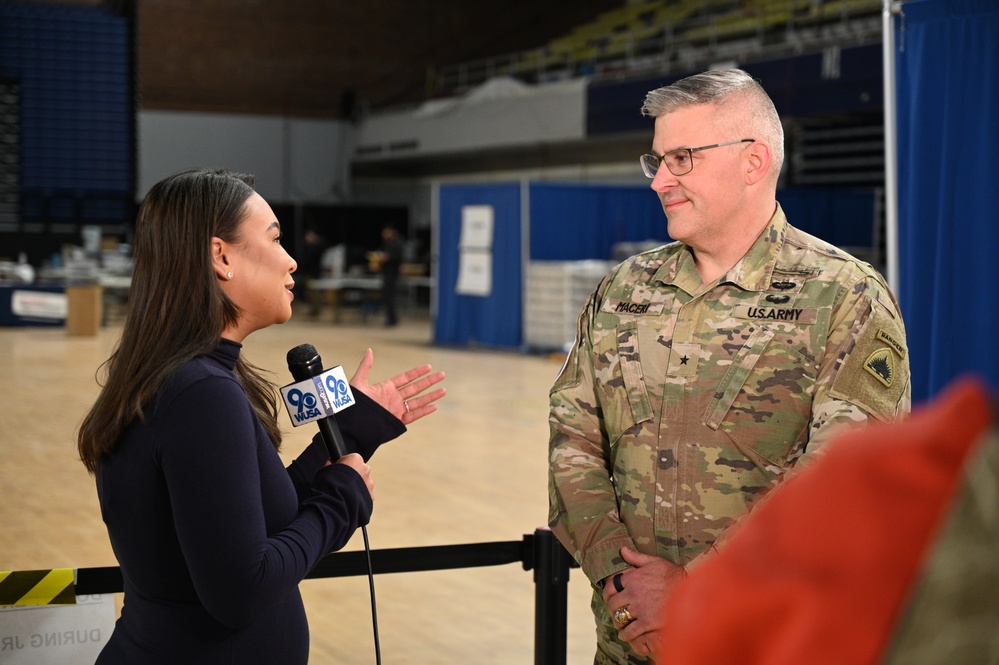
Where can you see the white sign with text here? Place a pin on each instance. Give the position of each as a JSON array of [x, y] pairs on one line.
[[56, 634]]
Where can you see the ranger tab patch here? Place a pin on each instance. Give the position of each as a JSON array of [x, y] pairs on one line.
[[894, 344]]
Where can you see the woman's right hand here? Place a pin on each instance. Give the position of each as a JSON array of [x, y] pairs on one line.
[[357, 463]]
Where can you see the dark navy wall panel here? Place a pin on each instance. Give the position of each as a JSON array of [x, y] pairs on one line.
[[797, 85], [73, 66], [616, 107]]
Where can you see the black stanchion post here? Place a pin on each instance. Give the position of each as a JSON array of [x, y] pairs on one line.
[[551, 589]]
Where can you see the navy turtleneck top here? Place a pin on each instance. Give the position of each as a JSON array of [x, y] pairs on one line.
[[212, 532]]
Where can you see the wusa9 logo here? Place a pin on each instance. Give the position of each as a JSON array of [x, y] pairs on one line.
[[317, 397]]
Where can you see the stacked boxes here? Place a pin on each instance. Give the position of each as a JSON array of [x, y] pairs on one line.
[[554, 294]]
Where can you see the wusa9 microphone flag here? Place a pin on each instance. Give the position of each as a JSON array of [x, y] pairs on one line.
[[317, 397]]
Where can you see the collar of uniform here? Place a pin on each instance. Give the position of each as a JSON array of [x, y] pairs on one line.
[[754, 271], [678, 269], [683, 272]]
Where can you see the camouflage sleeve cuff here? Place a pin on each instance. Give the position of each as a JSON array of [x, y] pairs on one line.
[[605, 559]]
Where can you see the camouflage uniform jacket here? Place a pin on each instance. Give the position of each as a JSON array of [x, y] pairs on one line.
[[680, 403]]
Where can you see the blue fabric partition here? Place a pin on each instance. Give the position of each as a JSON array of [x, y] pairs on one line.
[[494, 320], [947, 86], [841, 216], [572, 222]]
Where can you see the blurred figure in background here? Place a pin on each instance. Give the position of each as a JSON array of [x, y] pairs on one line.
[[311, 264], [387, 261]]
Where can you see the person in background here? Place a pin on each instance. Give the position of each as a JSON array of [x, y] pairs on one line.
[[212, 532], [388, 260], [311, 265], [705, 370]]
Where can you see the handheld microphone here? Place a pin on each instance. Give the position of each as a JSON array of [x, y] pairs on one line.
[[317, 396]]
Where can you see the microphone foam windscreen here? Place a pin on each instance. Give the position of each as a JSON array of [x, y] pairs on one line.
[[302, 354]]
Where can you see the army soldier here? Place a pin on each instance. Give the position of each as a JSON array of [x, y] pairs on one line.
[[704, 370]]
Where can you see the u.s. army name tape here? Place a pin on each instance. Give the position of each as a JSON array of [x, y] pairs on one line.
[[56, 586]]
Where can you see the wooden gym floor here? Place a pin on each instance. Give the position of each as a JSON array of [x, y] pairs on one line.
[[474, 472]]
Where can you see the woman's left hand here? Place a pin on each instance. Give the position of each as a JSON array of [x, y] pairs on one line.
[[404, 394]]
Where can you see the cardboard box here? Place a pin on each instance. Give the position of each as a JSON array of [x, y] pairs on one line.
[[83, 310]]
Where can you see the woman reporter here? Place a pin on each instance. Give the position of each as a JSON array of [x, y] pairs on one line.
[[212, 533]]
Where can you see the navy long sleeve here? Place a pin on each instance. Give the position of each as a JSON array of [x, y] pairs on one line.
[[212, 533]]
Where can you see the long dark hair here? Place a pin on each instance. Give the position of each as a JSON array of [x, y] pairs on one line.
[[176, 308]]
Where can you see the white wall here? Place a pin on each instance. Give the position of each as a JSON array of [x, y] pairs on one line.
[[293, 159], [500, 113], [298, 160]]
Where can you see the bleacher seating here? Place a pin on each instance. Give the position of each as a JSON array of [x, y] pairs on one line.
[[646, 34], [747, 18]]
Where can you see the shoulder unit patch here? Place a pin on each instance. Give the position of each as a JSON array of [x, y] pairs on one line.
[[881, 365]]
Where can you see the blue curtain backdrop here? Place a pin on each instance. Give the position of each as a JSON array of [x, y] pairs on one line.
[[841, 216], [571, 222], [947, 86], [494, 320], [568, 222], [576, 222]]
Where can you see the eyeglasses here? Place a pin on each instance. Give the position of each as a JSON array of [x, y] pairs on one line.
[[679, 162]]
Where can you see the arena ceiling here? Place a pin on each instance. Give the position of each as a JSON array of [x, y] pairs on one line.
[[325, 58]]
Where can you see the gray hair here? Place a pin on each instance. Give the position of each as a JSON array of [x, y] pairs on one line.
[[717, 87]]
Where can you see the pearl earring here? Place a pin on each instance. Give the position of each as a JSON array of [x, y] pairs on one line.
[[228, 275]]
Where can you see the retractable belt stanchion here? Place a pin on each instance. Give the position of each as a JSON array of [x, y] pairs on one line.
[[539, 552], [551, 586]]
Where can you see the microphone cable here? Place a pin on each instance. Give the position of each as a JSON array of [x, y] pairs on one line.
[[305, 365], [371, 586]]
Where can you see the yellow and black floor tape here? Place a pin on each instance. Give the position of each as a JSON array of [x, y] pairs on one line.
[[56, 586]]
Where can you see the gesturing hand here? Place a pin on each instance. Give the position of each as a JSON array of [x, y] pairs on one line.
[[404, 394]]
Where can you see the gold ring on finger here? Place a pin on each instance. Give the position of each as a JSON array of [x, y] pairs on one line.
[[622, 617]]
